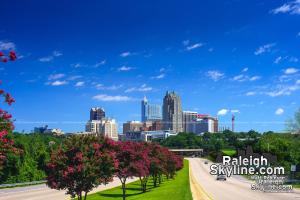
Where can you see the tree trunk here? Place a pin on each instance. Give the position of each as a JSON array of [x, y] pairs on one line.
[[159, 179], [142, 184], [145, 185], [155, 181], [85, 194], [124, 190], [79, 197]]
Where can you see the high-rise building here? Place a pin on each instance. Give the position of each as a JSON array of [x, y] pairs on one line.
[[188, 118], [97, 113], [110, 129], [98, 124], [172, 112], [150, 112], [105, 127], [93, 126]]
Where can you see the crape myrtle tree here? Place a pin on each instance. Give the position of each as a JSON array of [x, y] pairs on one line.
[[172, 163], [80, 164], [6, 124], [126, 168], [141, 163], [157, 159]]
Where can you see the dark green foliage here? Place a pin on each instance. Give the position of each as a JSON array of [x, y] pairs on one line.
[[29, 164], [183, 140], [285, 146]]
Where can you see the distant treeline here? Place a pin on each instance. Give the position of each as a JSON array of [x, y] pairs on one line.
[[285, 146], [29, 164]]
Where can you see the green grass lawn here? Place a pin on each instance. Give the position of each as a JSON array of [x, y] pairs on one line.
[[174, 189], [229, 152], [296, 186]]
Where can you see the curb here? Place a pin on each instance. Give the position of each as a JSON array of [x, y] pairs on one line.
[[197, 190]]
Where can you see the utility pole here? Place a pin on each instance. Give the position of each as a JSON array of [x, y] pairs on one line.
[[232, 122]]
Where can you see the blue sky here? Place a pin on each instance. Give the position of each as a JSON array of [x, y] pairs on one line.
[[219, 56]]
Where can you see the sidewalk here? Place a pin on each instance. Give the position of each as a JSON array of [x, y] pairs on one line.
[[42, 192]]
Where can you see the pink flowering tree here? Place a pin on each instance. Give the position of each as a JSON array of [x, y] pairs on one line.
[[141, 163], [6, 124], [81, 164], [157, 158], [172, 163], [128, 164], [10, 56]]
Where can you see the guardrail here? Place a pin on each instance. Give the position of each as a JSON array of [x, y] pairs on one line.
[[20, 184]]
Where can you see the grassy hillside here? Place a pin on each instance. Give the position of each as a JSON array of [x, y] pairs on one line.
[[174, 189]]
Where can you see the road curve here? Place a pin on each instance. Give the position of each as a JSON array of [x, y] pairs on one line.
[[235, 187], [42, 192]]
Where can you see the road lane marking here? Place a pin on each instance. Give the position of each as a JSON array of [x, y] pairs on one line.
[[197, 190]]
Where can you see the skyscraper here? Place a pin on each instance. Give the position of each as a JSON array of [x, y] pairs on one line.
[[97, 113], [172, 112], [150, 112]]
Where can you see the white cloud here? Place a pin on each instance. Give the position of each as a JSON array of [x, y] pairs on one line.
[[245, 69], [143, 88], [5, 46], [234, 111], [292, 7], [72, 78], [125, 68], [279, 111], [112, 87], [58, 83], [278, 59], [57, 53], [46, 59], [117, 98], [125, 54], [283, 90], [239, 78], [290, 70], [250, 93], [76, 65], [51, 57], [160, 76], [223, 112], [79, 84], [289, 58], [56, 76], [100, 63], [254, 78], [215, 75], [293, 59], [265, 48], [242, 78], [186, 42], [194, 46]]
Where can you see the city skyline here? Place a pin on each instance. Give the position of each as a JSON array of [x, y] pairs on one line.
[[218, 63]]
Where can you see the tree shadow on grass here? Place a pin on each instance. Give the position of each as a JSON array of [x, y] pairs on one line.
[[119, 195]]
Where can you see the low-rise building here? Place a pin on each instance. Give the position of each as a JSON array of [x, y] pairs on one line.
[[202, 124], [147, 135], [54, 131], [132, 126]]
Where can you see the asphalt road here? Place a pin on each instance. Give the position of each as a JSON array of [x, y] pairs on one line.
[[42, 192], [236, 187]]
